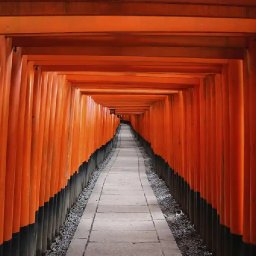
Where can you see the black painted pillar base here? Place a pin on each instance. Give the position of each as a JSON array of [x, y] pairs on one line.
[[7, 248], [24, 241]]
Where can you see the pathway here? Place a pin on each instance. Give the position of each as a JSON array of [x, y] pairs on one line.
[[122, 216]]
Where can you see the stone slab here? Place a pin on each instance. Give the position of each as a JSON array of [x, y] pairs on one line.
[[76, 247], [123, 249], [122, 217], [126, 216], [123, 225], [117, 236], [122, 208]]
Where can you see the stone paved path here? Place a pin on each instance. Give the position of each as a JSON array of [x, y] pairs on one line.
[[122, 216]]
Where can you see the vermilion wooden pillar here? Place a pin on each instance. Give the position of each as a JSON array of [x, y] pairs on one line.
[[202, 159], [219, 155], [12, 146], [172, 133], [213, 174], [167, 129], [252, 112], [236, 121], [40, 80], [74, 96], [5, 84], [209, 157], [185, 151], [225, 220], [181, 131], [20, 160], [64, 148], [197, 154], [247, 155], [219, 142]]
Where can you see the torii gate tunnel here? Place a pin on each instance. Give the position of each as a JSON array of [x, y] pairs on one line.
[[183, 73]]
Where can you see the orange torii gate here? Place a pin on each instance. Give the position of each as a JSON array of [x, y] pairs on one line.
[[182, 73]]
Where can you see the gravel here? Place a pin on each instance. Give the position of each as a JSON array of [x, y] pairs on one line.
[[61, 243], [188, 240]]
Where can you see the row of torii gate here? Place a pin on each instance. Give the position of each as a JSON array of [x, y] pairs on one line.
[[183, 73]]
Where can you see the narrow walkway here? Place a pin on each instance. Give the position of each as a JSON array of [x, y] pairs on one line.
[[122, 216]]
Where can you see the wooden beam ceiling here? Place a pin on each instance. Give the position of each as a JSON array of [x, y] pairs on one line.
[[204, 8], [130, 54], [13, 25]]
